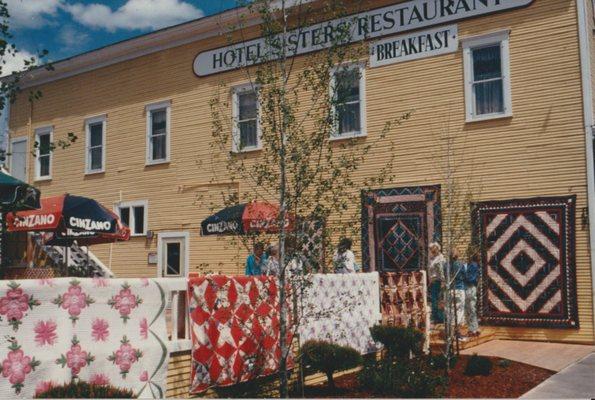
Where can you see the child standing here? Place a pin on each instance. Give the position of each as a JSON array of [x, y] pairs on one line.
[[471, 280]]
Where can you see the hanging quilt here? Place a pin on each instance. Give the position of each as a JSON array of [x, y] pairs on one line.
[[102, 331], [397, 227], [528, 250], [404, 299], [341, 308], [235, 329]]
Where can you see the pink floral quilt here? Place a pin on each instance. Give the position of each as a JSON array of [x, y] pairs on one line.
[[103, 331]]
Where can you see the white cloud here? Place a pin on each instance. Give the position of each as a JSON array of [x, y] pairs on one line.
[[31, 13], [16, 62], [134, 14], [72, 39]]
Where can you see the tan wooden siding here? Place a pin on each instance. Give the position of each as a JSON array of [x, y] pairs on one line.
[[540, 151]]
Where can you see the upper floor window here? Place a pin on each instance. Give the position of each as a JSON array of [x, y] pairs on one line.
[[134, 215], [348, 101], [43, 160], [487, 77], [246, 128], [95, 144], [158, 132]]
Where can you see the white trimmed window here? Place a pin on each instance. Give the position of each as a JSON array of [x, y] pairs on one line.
[[43, 159], [95, 144], [134, 214], [246, 127], [158, 132], [348, 100], [487, 77]]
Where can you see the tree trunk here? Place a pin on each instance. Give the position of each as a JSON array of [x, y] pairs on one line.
[[330, 381]]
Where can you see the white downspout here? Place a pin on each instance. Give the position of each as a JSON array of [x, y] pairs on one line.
[[585, 56]]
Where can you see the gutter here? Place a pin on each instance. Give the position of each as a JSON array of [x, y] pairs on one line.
[[585, 59]]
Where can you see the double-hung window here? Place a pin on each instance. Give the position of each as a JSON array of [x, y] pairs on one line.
[[95, 145], [134, 214], [246, 127], [43, 161], [158, 132], [348, 100], [487, 77]]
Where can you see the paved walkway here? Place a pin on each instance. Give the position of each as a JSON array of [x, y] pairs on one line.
[[573, 382], [552, 356]]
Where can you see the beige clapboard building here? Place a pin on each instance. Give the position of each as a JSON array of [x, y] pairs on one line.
[[511, 80]]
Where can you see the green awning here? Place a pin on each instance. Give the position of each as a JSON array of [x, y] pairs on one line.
[[16, 195]]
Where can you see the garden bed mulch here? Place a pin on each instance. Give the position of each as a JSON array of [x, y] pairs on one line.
[[511, 381]]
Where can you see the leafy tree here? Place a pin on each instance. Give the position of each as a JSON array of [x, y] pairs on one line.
[[300, 165]]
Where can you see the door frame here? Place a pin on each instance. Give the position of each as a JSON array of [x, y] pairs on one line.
[[16, 140], [185, 236]]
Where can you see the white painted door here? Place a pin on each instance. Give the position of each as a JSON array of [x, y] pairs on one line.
[[173, 254], [18, 159]]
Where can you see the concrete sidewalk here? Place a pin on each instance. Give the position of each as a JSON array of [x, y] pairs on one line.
[[573, 382], [552, 356]]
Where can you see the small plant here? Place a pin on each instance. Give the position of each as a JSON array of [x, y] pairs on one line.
[[438, 361], [504, 363], [478, 365], [329, 358], [80, 389], [399, 342]]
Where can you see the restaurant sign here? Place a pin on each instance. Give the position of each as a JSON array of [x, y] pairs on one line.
[[396, 49], [390, 20]]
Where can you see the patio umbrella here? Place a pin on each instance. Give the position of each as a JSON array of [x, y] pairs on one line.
[[15, 195], [242, 219], [65, 212], [88, 238]]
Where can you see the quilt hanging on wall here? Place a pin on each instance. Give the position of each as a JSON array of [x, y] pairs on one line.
[[235, 329], [102, 331], [404, 299], [341, 308], [528, 257]]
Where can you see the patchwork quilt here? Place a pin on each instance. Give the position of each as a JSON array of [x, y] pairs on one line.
[[528, 258], [102, 331], [341, 308], [404, 299], [235, 329]]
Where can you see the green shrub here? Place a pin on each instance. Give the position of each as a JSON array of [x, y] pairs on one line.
[[85, 390], [402, 379], [404, 371], [504, 363], [478, 365], [438, 361], [255, 388], [329, 358], [399, 342]]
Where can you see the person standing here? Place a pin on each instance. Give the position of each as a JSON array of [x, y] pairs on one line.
[[457, 277], [344, 259], [471, 281], [256, 260], [271, 267], [435, 272]]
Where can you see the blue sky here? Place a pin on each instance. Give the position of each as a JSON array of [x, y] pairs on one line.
[[69, 27]]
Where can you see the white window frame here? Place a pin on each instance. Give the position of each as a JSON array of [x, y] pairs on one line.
[[362, 101], [45, 130], [17, 140], [184, 235], [149, 147], [235, 139], [88, 122], [130, 205], [471, 43]]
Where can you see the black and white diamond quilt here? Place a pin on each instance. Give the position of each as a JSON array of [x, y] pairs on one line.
[[528, 258]]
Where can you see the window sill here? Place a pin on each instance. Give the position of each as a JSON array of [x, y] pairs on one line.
[[247, 150], [43, 178], [99, 171], [347, 136], [158, 162], [488, 117], [137, 234]]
